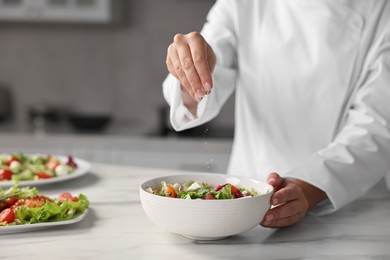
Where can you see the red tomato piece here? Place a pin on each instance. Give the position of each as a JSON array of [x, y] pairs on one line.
[[5, 174], [67, 196], [236, 192], [7, 215], [11, 201], [43, 175], [209, 196], [170, 192]]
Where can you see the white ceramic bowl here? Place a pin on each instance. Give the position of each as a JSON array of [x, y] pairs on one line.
[[206, 219]]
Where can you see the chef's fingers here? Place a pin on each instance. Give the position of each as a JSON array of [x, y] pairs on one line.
[[175, 68], [201, 51], [286, 210], [286, 214], [170, 64], [184, 51], [289, 192], [290, 204]]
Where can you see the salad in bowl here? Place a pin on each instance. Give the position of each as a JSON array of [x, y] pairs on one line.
[[202, 190], [205, 206]]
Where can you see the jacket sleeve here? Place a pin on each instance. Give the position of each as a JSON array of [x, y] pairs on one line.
[[359, 156], [219, 33]]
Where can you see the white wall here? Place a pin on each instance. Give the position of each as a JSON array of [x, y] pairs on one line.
[[91, 68]]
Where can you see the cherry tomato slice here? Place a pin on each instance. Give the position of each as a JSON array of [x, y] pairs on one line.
[[67, 196], [11, 201], [5, 174], [7, 215], [43, 175], [170, 192]]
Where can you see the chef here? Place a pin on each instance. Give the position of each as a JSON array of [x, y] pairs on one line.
[[311, 80]]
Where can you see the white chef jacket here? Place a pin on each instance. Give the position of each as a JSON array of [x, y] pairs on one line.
[[312, 91]]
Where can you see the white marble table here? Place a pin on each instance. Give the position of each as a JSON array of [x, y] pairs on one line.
[[117, 228]]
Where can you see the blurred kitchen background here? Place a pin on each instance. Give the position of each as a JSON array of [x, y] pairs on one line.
[[94, 66], [84, 77]]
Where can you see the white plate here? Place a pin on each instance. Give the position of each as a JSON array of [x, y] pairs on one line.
[[83, 168], [37, 226]]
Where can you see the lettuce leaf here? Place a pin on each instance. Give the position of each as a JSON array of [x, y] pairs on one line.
[[52, 211], [20, 193], [224, 193], [199, 193]]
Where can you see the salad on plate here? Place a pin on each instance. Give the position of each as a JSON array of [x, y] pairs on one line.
[[22, 206], [23, 167], [202, 190]]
